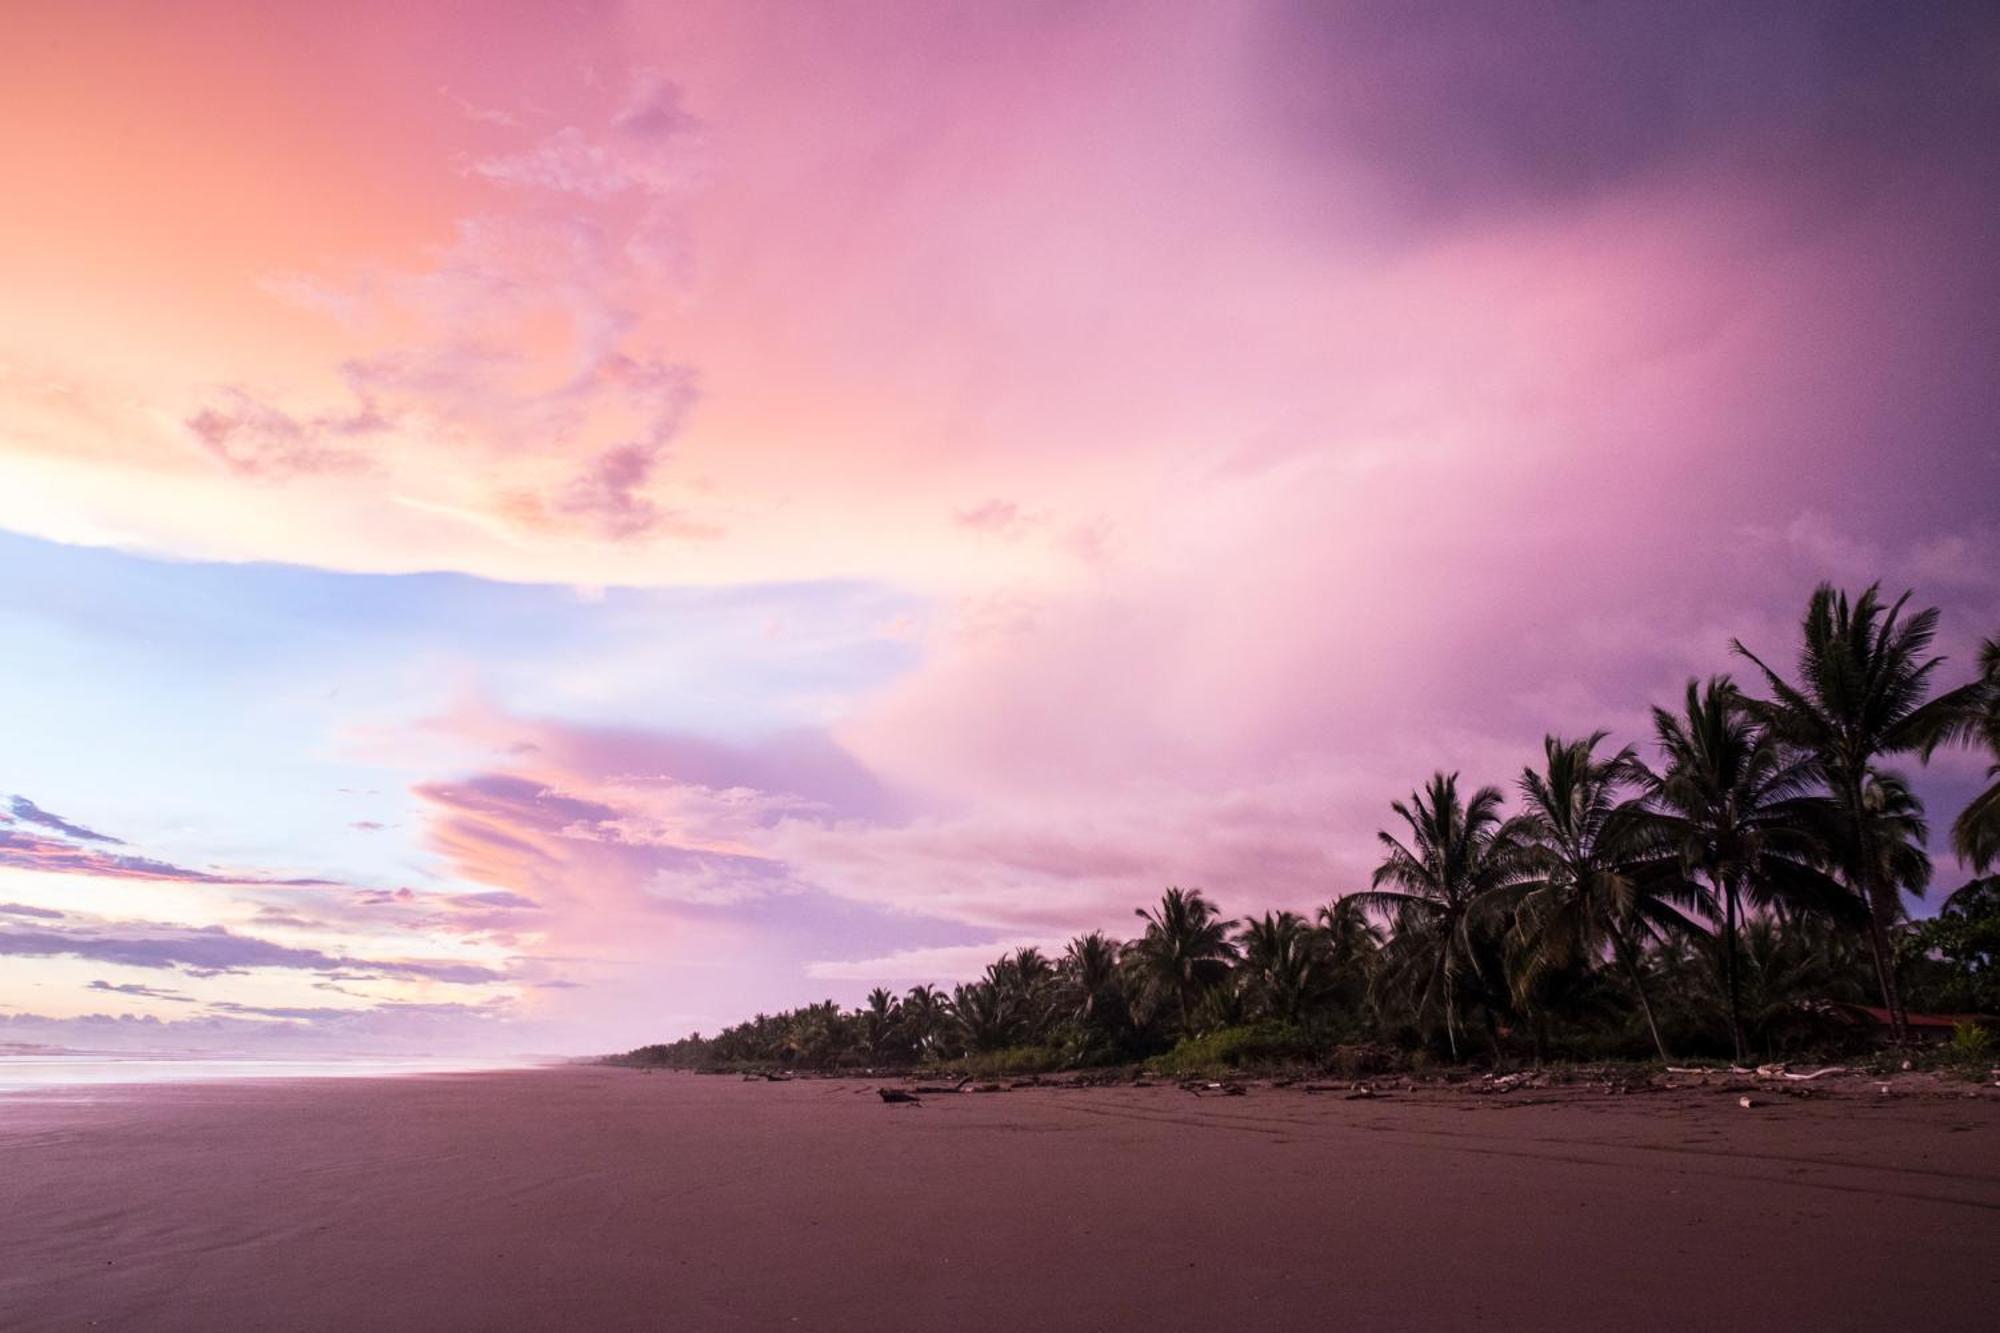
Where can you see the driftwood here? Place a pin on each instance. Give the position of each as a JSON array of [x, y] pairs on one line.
[[939, 1089], [1231, 1089]]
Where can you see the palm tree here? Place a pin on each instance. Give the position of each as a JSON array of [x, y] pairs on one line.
[[1744, 813], [985, 1014], [1282, 969], [1089, 976], [1352, 943], [925, 1013], [881, 1023], [1598, 875], [1025, 981], [1460, 856], [1975, 834], [1184, 950], [1864, 674], [1893, 836]]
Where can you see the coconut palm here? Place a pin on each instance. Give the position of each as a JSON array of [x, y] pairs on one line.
[[1598, 875], [925, 1013], [1975, 834], [881, 1024], [1862, 694], [1745, 815], [1446, 880], [1025, 980], [986, 1015], [1089, 976], [1185, 949], [1283, 972], [1894, 832], [1352, 943]]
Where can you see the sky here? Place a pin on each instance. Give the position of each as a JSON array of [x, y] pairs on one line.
[[539, 527]]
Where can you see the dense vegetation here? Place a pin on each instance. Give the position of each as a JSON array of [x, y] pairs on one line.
[[1724, 894]]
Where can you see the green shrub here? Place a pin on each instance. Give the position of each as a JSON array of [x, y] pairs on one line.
[[1970, 1043], [1258, 1044]]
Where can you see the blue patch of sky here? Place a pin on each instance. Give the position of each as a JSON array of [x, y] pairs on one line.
[[197, 709]]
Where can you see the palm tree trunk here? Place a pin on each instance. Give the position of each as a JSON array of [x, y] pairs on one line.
[[1729, 913], [1631, 961], [1885, 968], [1881, 900], [1451, 1018]]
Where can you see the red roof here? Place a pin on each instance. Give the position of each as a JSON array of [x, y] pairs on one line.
[[1942, 1021]]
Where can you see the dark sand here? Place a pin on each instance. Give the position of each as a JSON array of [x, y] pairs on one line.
[[612, 1199]]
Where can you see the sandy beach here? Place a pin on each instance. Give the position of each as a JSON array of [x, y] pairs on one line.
[[609, 1198]]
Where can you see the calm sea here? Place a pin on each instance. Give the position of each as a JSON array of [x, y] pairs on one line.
[[30, 1071]]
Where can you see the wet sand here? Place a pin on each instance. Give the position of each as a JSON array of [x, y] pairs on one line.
[[595, 1198]]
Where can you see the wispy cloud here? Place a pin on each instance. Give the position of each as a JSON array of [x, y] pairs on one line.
[[27, 811], [213, 950]]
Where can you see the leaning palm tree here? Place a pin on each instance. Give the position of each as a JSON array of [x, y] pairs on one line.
[[1599, 874], [1975, 835], [1461, 855], [1862, 691], [1745, 814], [1185, 949]]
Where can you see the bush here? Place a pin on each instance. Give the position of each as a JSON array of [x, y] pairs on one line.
[[1258, 1044], [1970, 1044]]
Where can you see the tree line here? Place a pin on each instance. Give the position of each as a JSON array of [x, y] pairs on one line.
[[1723, 894]]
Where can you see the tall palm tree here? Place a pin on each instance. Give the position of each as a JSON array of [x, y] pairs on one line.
[[1598, 873], [1975, 834], [1460, 856], [1283, 970], [1863, 694], [1744, 813], [1185, 948]]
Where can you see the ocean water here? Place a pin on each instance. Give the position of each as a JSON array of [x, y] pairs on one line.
[[32, 1071]]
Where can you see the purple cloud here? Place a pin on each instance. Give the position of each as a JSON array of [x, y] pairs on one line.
[[146, 992], [26, 810], [143, 944]]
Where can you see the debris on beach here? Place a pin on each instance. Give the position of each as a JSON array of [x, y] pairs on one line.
[[1745, 1103], [1231, 1089]]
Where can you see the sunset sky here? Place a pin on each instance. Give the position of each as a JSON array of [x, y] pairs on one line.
[[539, 527]]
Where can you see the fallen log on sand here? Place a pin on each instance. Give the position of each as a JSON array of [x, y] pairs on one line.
[[1215, 1089]]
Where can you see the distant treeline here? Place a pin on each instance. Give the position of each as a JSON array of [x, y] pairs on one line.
[[1737, 890]]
